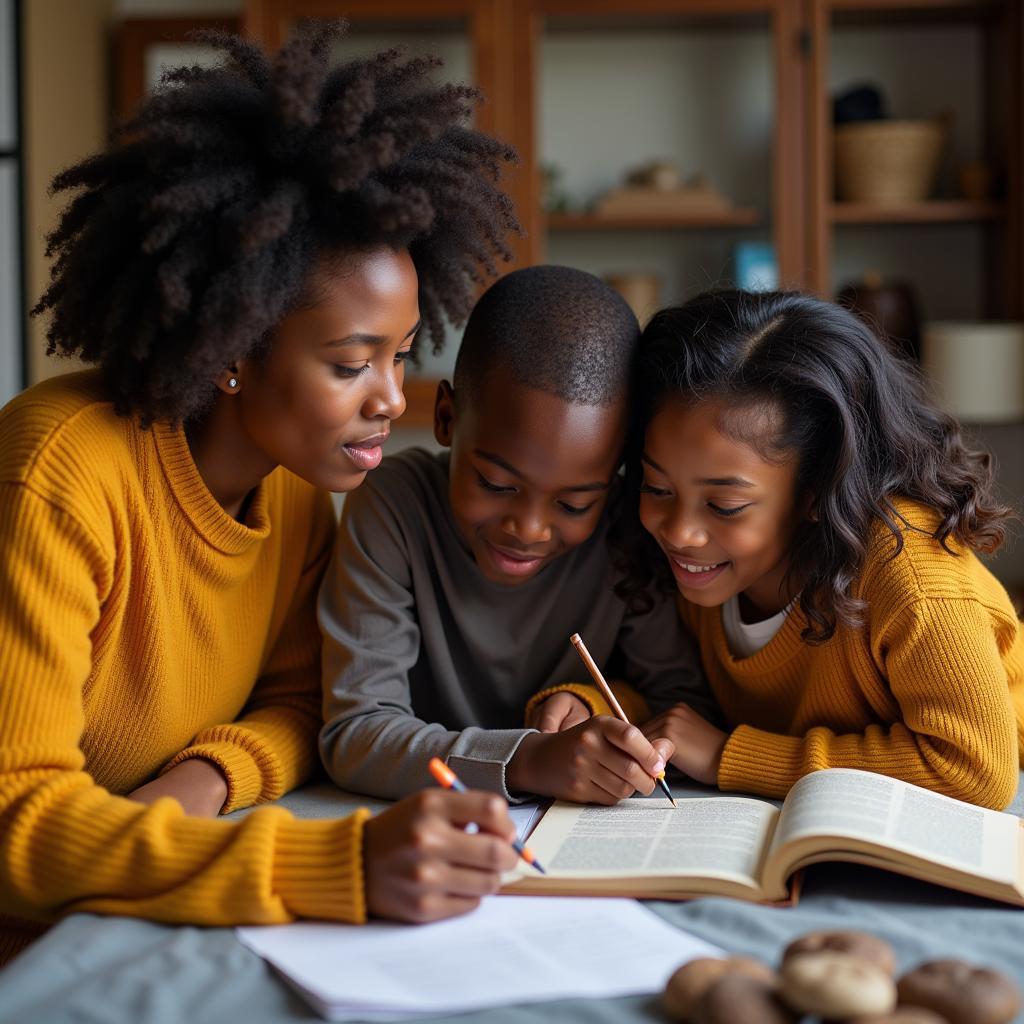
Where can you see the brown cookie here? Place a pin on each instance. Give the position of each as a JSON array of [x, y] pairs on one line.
[[902, 1015], [736, 997], [960, 992], [685, 988], [860, 944], [835, 985]]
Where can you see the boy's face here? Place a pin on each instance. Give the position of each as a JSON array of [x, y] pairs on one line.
[[723, 515], [529, 473]]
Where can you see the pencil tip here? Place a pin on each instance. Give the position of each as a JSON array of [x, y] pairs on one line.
[[667, 791]]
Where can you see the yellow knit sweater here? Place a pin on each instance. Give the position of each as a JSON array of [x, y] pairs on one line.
[[141, 625], [930, 690]]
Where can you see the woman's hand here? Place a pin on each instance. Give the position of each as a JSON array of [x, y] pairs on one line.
[[559, 712], [599, 761], [421, 864], [698, 744], [197, 784]]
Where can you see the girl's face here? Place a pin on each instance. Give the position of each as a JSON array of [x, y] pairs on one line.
[[322, 401], [724, 516]]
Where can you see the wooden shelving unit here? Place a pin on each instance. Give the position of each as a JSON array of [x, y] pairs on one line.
[[933, 211], [990, 239], [800, 215]]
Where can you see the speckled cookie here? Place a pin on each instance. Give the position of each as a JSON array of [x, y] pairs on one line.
[[685, 988], [859, 944], [960, 992], [836, 985], [736, 997]]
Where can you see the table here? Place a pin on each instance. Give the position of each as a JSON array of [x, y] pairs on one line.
[[114, 970]]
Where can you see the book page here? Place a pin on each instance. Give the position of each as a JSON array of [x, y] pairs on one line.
[[719, 837], [875, 808]]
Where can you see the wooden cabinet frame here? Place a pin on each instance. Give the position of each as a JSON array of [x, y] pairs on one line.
[[505, 36], [1004, 40], [784, 16], [134, 37]]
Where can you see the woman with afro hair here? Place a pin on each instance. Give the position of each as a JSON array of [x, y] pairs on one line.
[[246, 272]]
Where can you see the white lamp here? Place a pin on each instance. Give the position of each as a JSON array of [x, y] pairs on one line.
[[976, 368]]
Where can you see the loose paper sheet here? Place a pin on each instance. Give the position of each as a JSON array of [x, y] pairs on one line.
[[512, 949]]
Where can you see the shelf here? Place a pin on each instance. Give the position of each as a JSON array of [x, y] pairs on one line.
[[932, 211], [736, 218]]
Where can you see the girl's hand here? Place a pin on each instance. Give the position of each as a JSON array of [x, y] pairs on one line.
[[197, 784], [698, 744], [421, 864], [559, 712], [599, 761]]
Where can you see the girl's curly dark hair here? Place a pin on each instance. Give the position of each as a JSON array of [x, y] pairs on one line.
[[857, 415], [187, 244]]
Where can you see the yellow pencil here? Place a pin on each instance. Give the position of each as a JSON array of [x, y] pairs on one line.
[[581, 649]]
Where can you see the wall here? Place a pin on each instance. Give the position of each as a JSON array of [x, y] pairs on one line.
[[10, 258], [66, 88]]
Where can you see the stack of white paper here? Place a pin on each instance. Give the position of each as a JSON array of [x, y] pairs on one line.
[[512, 949], [525, 818]]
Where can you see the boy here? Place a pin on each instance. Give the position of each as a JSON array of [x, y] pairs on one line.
[[458, 578]]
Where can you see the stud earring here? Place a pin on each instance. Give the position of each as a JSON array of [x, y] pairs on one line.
[[233, 383]]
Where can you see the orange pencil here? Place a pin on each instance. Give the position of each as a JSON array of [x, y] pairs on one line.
[[581, 649], [447, 778]]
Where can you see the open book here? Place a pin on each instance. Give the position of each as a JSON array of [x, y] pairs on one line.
[[750, 849]]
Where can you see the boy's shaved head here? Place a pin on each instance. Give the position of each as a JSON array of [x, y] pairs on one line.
[[553, 329]]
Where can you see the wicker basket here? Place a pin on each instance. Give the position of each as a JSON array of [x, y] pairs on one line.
[[887, 161]]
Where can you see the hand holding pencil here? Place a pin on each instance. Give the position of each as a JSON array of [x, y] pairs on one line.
[[420, 864], [447, 778], [602, 684], [599, 760]]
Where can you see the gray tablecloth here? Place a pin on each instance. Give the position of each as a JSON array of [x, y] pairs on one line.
[[113, 970]]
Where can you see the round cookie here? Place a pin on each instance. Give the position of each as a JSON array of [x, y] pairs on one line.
[[836, 985], [902, 1015], [686, 986], [860, 944], [736, 997], [960, 992]]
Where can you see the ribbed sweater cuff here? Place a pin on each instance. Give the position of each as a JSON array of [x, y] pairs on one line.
[[243, 775], [761, 762], [318, 868], [630, 701], [590, 696]]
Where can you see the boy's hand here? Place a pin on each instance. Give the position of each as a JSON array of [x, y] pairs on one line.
[[559, 712], [421, 864], [197, 784], [698, 744], [599, 761]]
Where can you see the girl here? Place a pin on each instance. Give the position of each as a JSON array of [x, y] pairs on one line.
[[819, 518], [248, 272]]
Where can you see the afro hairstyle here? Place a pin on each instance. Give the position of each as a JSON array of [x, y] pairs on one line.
[[186, 243]]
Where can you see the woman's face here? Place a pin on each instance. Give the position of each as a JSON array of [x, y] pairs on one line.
[[723, 516], [322, 401]]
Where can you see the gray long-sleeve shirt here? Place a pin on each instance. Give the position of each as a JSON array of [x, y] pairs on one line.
[[425, 657]]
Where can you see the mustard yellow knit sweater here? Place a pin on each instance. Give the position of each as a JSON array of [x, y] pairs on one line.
[[141, 625], [930, 690]]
